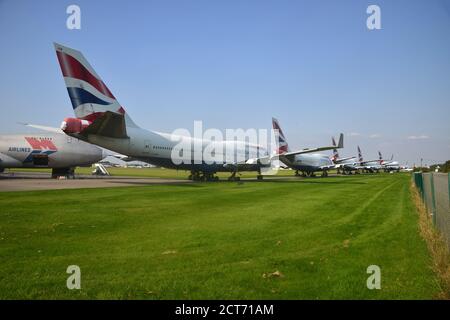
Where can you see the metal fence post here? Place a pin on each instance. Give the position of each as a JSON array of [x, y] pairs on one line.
[[433, 199]]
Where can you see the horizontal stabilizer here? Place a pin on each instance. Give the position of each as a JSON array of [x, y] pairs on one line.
[[310, 150], [109, 124], [124, 158], [340, 160], [45, 128]]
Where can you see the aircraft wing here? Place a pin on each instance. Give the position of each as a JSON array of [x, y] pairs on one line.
[[123, 157], [338, 161], [284, 157], [45, 128], [251, 163], [327, 167], [310, 150], [368, 161], [109, 124]]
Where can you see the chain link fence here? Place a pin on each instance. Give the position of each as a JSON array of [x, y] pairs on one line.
[[435, 191]]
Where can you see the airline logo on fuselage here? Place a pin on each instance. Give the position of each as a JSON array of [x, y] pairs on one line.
[[39, 146]]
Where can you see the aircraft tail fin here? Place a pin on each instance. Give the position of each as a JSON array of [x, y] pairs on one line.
[[282, 145], [335, 152], [360, 157], [89, 95]]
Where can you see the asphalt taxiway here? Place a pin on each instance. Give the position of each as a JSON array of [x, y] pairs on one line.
[[18, 181]]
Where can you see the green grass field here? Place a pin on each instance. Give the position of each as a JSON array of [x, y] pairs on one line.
[[151, 172], [217, 240]]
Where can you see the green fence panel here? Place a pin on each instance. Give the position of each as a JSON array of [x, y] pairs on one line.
[[418, 181], [442, 204], [434, 189], [427, 191]]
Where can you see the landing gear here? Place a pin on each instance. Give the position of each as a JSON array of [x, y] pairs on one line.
[[299, 173], [63, 172], [324, 173], [197, 176], [259, 177], [210, 177], [233, 177]]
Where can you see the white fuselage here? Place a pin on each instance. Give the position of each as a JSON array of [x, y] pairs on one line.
[[48, 150], [162, 149], [309, 162], [349, 165]]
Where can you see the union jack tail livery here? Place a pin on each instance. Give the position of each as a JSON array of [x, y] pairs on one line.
[[89, 95], [335, 152], [282, 145], [360, 157], [380, 157]]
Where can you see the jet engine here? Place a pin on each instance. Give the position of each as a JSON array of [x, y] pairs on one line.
[[74, 125]]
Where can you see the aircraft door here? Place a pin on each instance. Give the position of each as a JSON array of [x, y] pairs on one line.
[[147, 147]]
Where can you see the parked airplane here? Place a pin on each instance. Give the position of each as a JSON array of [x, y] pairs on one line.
[[389, 165], [347, 165], [101, 120], [309, 163], [370, 165], [358, 165], [406, 168], [58, 151], [350, 165]]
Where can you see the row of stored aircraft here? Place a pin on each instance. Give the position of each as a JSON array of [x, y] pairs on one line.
[[101, 121], [350, 165]]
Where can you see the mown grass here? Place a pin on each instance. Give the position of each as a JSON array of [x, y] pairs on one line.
[[217, 240], [150, 172], [436, 243]]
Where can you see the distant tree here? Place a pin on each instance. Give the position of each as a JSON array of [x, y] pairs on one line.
[[446, 166], [443, 167]]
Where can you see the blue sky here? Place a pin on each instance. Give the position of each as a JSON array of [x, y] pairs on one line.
[[234, 64]]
